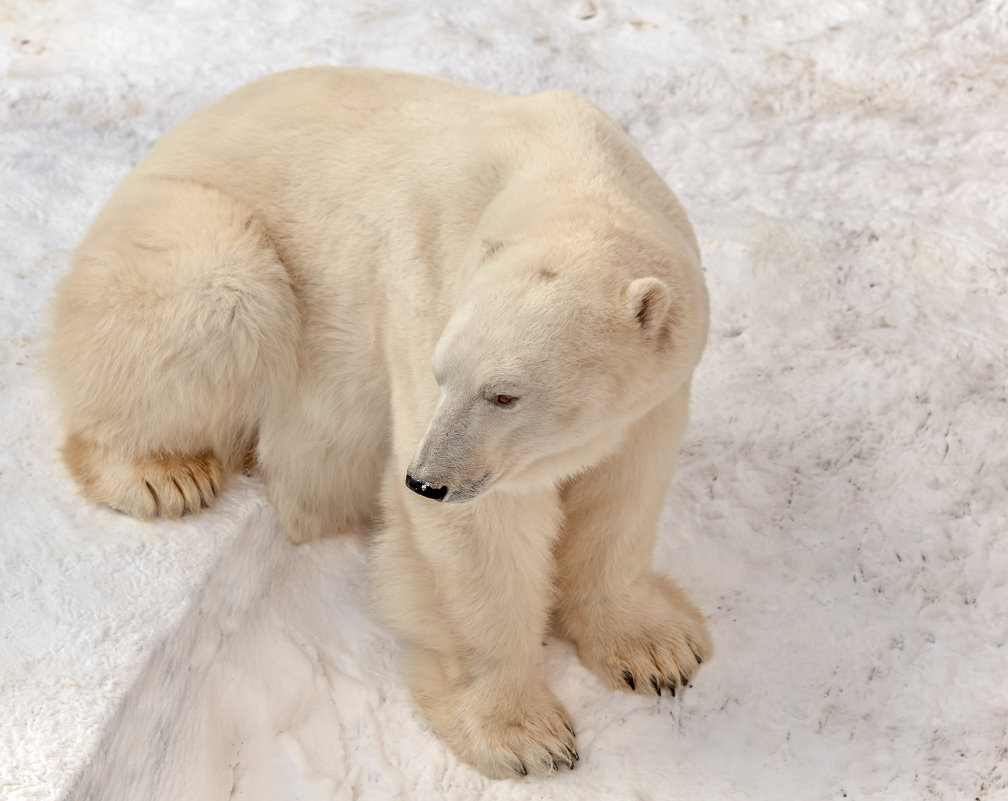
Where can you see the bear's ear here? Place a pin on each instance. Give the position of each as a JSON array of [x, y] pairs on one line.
[[647, 302]]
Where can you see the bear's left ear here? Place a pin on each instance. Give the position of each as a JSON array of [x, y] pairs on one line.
[[647, 302]]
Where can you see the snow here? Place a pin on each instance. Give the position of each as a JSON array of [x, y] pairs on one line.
[[841, 508]]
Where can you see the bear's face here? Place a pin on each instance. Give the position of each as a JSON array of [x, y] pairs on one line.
[[540, 375]]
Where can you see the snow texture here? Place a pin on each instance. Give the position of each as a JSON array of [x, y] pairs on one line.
[[841, 510]]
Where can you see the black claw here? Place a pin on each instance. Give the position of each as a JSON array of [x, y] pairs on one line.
[[568, 727], [574, 755], [655, 685], [521, 768], [628, 678]]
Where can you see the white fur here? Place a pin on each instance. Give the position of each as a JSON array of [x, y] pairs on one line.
[[354, 274]]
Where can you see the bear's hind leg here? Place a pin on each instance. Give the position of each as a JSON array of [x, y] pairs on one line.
[[175, 328]]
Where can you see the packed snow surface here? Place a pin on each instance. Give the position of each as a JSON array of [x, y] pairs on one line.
[[841, 509]]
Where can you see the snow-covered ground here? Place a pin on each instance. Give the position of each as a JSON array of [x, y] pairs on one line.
[[841, 511]]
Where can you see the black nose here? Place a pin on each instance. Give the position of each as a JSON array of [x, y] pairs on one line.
[[435, 493]]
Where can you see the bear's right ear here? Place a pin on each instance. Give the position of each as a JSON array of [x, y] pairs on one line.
[[647, 302]]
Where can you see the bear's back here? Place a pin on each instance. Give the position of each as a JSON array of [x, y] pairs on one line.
[[362, 126]]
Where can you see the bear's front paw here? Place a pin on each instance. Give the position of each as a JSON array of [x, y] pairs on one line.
[[522, 740], [654, 640], [506, 735]]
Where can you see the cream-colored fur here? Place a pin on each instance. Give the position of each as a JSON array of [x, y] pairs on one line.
[[360, 276]]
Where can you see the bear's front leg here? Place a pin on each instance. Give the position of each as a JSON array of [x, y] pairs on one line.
[[469, 587], [633, 627]]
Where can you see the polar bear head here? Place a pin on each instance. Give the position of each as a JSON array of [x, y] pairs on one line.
[[549, 357]]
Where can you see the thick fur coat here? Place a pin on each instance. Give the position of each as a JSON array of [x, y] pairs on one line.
[[467, 317]]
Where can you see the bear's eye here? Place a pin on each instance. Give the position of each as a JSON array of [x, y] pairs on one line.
[[503, 400]]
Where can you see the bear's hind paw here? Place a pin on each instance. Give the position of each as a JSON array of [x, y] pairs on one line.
[[166, 485], [178, 485]]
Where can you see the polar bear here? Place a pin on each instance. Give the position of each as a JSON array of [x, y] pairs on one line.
[[467, 318]]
